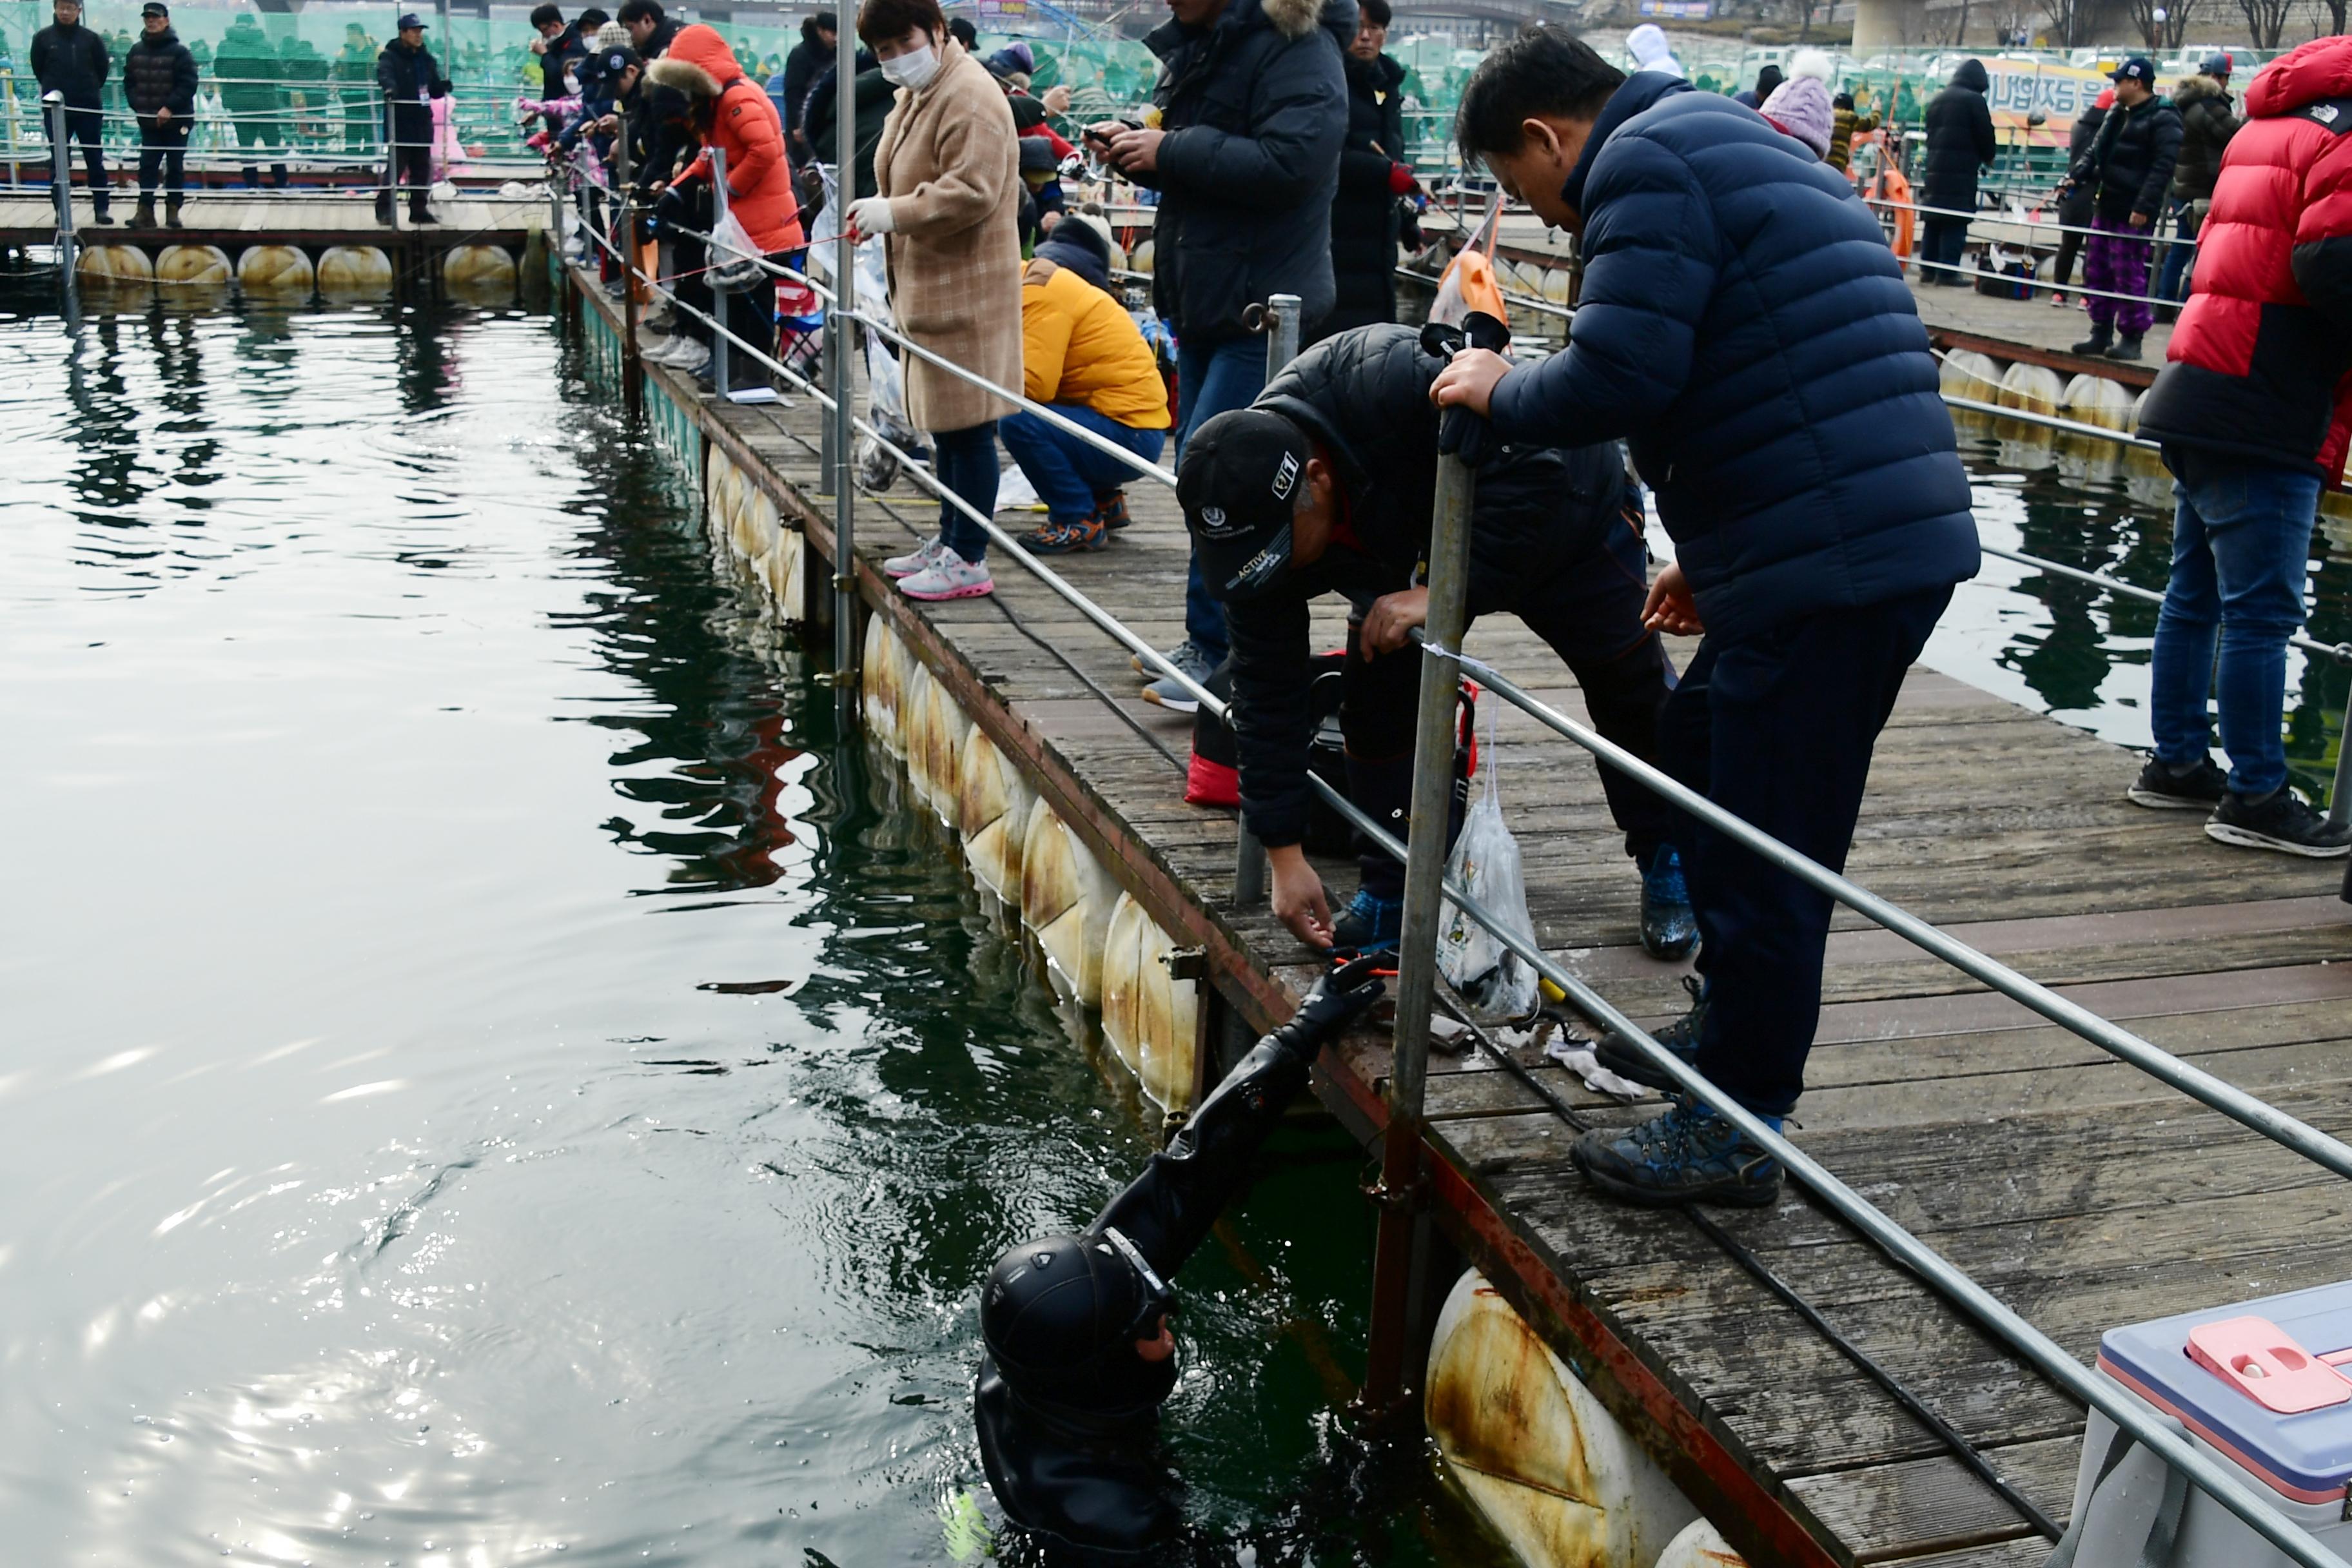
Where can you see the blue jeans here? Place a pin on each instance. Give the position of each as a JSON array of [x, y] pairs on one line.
[[2173, 282], [1068, 473], [2241, 551], [965, 462], [1215, 379]]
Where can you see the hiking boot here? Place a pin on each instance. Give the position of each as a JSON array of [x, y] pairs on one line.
[[1669, 930], [1687, 1154], [171, 212], [1111, 508], [2101, 337], [922, 558], [2162, 787], [1171, 693], [103, 218], [145, 216], [949, 576], [2279, 821], [2126, 349], [1062, 538], [1681, 1037], [1370, 923]]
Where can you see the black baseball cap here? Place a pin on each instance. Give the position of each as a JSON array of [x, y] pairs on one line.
[[1238, 486], [157, 8], [408, 19], [2138, 69]]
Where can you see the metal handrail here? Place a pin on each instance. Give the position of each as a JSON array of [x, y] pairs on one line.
[[2052, 421], [2039, 226], [2050, 1359]]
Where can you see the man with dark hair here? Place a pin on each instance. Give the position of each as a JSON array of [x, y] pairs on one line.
[[71, 61], [2129, 169], [1252, 106], [1375, 176], [650, 32], [1810, 483], [410, 80], [818, 52], [1325, 485], [159, 81]]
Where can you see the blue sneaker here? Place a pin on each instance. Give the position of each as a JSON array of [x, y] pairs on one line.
[[1669, 930], [1368, 923], [1689, 1154]]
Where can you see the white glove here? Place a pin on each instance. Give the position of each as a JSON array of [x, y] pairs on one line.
[[870, 215]]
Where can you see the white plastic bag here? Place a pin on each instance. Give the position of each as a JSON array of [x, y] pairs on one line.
[[734, 260], [1485, 863]]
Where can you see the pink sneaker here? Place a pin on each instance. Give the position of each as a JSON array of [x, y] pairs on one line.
[[949, 576], [925, 556]]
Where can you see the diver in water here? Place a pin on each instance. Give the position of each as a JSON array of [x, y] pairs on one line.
[[1079, 1357]]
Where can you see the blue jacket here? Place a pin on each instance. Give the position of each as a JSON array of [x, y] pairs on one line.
[[1744, 325]]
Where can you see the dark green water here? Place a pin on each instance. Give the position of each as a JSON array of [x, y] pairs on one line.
[[490, 1079]]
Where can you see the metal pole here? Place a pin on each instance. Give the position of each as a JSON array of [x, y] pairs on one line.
[[711, 259], [845, 390], [61, 183], [1394, 1255], [390, 199], [625, 227], [1281, 323], [2339, 799]]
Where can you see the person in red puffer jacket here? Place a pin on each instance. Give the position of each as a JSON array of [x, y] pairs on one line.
[[2253, 413]]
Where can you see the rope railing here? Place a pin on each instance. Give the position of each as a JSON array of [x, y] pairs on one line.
[[2036, 1349]]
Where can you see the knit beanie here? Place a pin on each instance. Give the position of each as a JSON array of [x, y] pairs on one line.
[[1799, 107], [612, 35]]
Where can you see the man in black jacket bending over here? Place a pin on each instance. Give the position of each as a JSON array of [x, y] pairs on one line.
[[1325, 485]]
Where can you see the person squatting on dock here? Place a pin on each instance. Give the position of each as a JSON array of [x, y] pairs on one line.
[[159, 82], [410, 79], [2253, 413], [71, 61], [2129, 171], [1326, 485], [1079, 1358], [947, 180], [1811, 482]]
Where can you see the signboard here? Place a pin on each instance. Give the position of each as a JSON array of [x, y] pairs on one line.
[[2060, 92], [1676, 10], [1002, 16]]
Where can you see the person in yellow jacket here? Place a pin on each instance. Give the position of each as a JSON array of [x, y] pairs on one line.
[[1082, 355]]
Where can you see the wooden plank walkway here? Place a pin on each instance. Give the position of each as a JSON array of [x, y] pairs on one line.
[[2077, 1190]]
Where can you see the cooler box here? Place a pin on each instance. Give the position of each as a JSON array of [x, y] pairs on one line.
[[2255, 1386]]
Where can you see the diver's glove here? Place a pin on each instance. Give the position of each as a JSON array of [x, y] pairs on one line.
[[1337, 997]]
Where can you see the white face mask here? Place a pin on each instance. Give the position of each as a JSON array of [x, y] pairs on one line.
[[912, 71]]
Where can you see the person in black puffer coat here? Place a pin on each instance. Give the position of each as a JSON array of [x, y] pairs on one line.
[[410, 78], [70, 60], [1549, 543], [816, 55], [1373, 177], [1743, 324], [875, 96], [159, 82], [2128, 171], [1960, 141], [2074, 207], [1252, 104]]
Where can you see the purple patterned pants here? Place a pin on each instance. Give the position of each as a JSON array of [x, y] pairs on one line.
[[2116, 258]]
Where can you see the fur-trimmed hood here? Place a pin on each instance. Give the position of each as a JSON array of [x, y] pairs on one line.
[[698, 63], [2191, 88]]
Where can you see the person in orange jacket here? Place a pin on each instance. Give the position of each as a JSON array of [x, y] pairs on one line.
[[727, 110]]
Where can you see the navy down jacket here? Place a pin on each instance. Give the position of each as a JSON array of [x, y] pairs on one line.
[[1744, 325]]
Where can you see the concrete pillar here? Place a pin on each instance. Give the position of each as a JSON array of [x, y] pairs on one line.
[[1881, 24]]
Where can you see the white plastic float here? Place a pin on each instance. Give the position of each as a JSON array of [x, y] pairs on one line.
[[479, 269], [1066, 900], [1149, 1016], [114, 264], [936, 727], [274, 269], [1700, 1546], [993, 805], [193, 266], [354, 270], [1548, 1467]]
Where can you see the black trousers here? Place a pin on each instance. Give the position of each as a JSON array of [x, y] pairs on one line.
[[261, 130], [1590, 611], [412, 155], [163, 151], [1777, 729], [1942, 239], [86, 123]]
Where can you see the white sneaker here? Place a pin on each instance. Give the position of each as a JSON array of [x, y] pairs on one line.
[[691, 357], [925, 556], [949, 577], [661, 351]]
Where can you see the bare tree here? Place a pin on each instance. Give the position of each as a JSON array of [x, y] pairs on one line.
[[2340, 13], [2266, 18], [2163, 24], [2071, 20]]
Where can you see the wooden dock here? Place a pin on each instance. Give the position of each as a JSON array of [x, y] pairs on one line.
[[311, 218], [2080, 1192]]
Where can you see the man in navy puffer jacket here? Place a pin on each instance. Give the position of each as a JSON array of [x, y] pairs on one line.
[[1744, 325]]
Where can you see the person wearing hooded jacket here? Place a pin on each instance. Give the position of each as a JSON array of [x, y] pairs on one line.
[[1960, 141], [2208, 119], [1082, 356], [1374, 175], [1651, 50], [1251, 107], [1812, 486], [2253, 411], [159, 82], [2128, 169], [726, 111], [1350, 423], [69, 59]]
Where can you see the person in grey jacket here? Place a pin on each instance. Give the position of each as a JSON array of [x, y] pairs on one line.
[[1252, 102], [70, 60]]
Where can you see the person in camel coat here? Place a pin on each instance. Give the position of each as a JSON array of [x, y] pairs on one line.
[[948, 177]]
